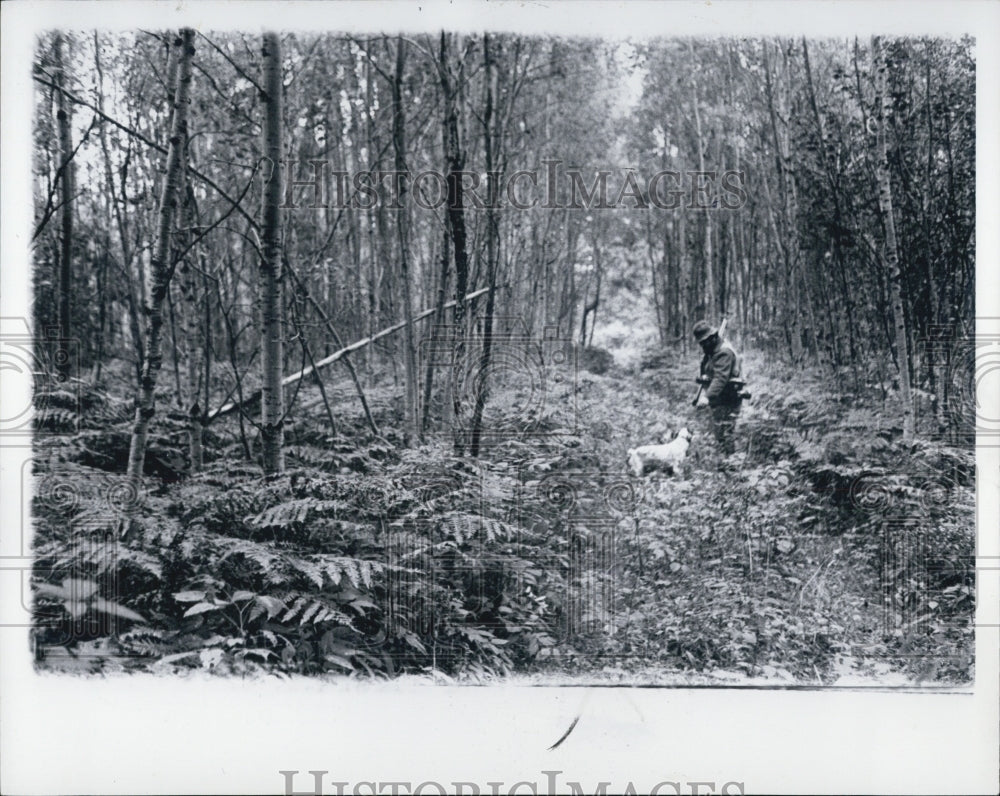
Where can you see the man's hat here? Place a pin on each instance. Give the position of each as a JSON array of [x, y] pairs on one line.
[[703, 330]]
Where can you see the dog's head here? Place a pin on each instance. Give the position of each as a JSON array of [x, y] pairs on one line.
[[684, 434]]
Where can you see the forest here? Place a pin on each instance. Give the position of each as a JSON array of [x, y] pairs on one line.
[[340, 343]]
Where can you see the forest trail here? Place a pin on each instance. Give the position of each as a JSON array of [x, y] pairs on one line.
[[735, 566], [722, 575]]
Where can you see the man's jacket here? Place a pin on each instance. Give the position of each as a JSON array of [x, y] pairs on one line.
[[722, 367]]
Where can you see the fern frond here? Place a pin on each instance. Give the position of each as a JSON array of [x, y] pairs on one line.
[[313, 610], [58, 419], [309, 569], [282, 515], [321, 567], [141, 560], [264, 555], [465, 526], [295, 512]]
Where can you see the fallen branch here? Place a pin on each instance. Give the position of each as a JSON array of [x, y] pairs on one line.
[[232, 405], [347, 360]]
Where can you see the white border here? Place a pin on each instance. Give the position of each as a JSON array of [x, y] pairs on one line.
[[147, 735]]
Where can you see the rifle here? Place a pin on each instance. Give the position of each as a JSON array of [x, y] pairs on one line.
[[701, 380]]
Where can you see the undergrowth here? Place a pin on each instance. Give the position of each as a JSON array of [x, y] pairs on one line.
[[826, 548]]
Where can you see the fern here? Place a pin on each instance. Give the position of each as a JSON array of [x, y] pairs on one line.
[[461, 526], [283, 515], [807, 448], [144, 642], [57, 419], [321, 569], [263, 555], [295, 512], [311, 610]]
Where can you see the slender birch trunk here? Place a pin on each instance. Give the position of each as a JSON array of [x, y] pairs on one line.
[[937, 373], [891, 249], [709, 287], [456, 222], [160, 268], [493, 143], [65, 276], [413, 428], [433, 355], [190, 326], [270, 277], [684, 282]]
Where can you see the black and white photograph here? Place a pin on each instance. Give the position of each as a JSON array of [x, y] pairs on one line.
[[607, 404]]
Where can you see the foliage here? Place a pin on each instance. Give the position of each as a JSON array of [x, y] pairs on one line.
[[819, 549]]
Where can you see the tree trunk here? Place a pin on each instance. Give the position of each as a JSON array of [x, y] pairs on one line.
[[402, 229], [567, 301], [63, 358], [456, 221], [739, 308], [891, 250], [160, 269], [595, 305], [660, 302], [190, 321], [492, 146], [270, 277], [708, 295], [937, 373], [437, 329], [684, 275], [590, 308], [375, 274], [188, 396]]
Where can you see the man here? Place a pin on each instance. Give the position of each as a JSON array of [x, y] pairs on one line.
[[721, 378]]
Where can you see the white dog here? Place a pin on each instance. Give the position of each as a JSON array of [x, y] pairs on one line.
[[660, 457]]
